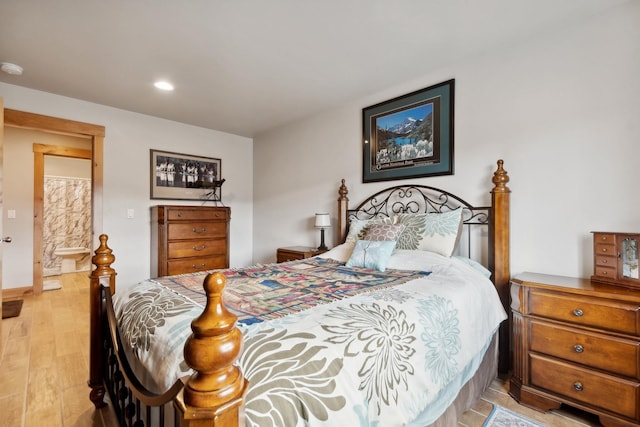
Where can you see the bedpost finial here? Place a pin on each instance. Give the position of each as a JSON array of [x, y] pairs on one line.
[[342, 191], [214, 283], [500, 179], [211, 351], [103, 258]]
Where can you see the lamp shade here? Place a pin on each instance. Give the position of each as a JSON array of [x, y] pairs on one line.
[[323, 220]]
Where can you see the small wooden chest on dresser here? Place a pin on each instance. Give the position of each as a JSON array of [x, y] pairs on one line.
[[186, 239], [576, 342], [615, 258]]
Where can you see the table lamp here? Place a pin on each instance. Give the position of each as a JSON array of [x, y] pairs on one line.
[[323, 220]]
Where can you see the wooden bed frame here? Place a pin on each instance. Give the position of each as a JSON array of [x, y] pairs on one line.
[[214, 394]]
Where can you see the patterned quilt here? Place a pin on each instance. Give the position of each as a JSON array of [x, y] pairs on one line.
[[289, 287], [358, 346]]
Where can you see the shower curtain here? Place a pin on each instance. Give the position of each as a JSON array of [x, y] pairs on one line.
[[67, 217]]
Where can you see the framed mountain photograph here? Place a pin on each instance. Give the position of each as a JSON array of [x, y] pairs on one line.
[[409, 136]]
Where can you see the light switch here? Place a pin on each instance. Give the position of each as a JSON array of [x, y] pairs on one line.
[[11, 213], [130, 213]]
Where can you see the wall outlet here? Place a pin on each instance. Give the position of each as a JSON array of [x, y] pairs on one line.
[[11, 213], [130, 213]]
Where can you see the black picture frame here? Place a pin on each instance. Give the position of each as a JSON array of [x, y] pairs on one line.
[[178, 176], [410, 136]]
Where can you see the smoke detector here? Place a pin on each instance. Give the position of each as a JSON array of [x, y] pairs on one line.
[[13, 69]]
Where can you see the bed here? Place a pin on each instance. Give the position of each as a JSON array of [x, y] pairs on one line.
[[384, 329]]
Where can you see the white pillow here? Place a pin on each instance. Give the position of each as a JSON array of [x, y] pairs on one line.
[[437, 232]]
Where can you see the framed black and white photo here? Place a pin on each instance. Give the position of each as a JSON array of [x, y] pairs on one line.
[[409, 136], [185, 177]]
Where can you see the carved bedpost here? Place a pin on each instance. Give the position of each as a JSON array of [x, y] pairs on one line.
[[214, 395], [499, 259], [102, 274], [343, 207]]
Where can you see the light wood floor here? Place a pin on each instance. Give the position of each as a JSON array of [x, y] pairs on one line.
[[44, 356], [44, 364]]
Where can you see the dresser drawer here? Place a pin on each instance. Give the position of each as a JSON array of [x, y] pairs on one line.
[[605, 272], [284, 256], [196, 230], [604, 239], [582, 385], [292, 253], [605, 249], [599, 351], [197, 248], [197, 214], [192, 265], [606, 261], [595, 312]]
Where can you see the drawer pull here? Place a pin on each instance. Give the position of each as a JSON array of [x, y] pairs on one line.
[[578, 348], [202, 230], [201, 266], [578, 386], [201, 248], [604, 249], [179, 214], [604, 261], [578, 313]]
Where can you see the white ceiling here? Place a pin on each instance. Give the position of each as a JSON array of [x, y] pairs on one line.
[[245, 66]]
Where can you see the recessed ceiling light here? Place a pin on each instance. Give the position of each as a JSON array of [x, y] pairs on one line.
[[12, 69], [163, 85]]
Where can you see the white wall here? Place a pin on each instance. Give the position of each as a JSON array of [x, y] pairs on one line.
[[562, 111], [129, 136]]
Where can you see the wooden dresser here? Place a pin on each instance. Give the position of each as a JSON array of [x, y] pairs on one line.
[[576, 342], [186, 239]]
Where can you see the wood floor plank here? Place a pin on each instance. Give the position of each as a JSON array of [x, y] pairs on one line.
[[72, 370], [13, 378], [43, 351], [43, 389], [78, 409], [472, 418], [50, 416], [12, 410]]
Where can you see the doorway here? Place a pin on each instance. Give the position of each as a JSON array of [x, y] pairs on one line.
[[62, 198], [95, 134]]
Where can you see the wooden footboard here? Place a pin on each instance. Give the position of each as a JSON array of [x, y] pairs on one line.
[[212, 396]]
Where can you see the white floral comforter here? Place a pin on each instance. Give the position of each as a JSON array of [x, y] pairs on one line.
[[383, 358]]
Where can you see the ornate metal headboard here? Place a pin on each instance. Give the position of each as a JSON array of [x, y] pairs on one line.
[[413, 198]]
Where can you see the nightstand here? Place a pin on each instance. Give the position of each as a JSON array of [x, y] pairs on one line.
[[291, 253], [576, 342]]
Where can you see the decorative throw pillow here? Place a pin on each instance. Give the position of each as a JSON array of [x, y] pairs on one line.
[[358, 227], [371, 254], [437, 232], [378, 232]]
